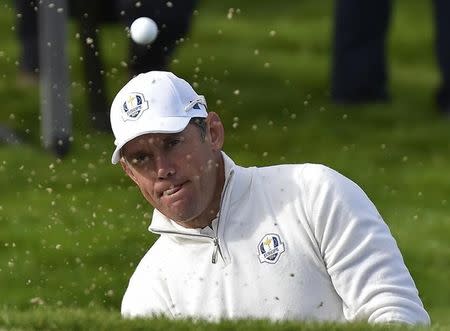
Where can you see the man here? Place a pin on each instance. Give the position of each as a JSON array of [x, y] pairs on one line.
[[283, 242], [359, 68]]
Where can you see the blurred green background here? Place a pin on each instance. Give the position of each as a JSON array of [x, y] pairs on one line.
[[72, 230]]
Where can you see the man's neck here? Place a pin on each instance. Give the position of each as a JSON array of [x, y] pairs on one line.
[[210, 213]]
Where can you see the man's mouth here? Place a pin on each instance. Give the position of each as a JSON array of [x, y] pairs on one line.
[[172, 190]]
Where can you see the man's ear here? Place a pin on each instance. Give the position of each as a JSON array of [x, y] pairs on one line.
[[216, 131], [127, 170]]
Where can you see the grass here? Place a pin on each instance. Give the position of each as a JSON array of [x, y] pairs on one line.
[[73, 229], [78, 319]]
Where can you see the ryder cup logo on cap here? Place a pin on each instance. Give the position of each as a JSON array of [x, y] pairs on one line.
[[133, 106], [154, 102]]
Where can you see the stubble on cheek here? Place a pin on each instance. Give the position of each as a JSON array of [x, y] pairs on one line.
[[210, 165], [207, 167]]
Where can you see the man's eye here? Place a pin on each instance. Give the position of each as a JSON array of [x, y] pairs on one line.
[[140, 159], [173, 142]]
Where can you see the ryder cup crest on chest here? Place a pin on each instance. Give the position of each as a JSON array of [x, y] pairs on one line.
[[270, 248]]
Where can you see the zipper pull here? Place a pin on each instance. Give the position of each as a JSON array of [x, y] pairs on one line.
[[216, 249]]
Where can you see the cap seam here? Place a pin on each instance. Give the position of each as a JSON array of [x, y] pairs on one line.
[[172, 85]]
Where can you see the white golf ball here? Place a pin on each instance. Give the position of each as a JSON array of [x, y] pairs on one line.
[[143, 30]]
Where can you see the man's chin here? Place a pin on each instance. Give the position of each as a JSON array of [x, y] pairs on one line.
[[180, 217], [187, 222]]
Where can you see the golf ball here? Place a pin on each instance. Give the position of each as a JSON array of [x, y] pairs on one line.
[[143, 30]]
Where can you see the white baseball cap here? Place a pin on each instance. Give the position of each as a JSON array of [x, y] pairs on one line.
[[153, 102]]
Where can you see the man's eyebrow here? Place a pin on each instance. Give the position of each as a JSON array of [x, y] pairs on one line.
[[170, 136], [134, 153]]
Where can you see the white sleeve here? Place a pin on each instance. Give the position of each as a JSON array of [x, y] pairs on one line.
[[359, 252], [144, 298]]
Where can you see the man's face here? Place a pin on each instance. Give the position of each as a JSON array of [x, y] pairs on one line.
[[179, 174]]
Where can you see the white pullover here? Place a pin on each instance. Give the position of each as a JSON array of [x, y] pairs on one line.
[[290, 242]]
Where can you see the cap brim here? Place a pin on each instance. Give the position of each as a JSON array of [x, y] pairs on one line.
[[166, 125]]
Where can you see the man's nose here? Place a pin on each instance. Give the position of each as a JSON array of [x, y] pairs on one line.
[[164, 167]]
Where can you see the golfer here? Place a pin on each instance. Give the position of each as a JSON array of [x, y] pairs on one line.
[[296, 241]]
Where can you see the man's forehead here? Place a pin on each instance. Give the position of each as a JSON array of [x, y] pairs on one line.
[[152, 138]]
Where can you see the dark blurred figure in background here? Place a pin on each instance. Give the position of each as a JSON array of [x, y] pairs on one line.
[[27, 29], [172, 17], [29, 60], [359, 73]]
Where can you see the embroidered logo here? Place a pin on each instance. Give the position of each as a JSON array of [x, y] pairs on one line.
[[134, 106], [270, 248]]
